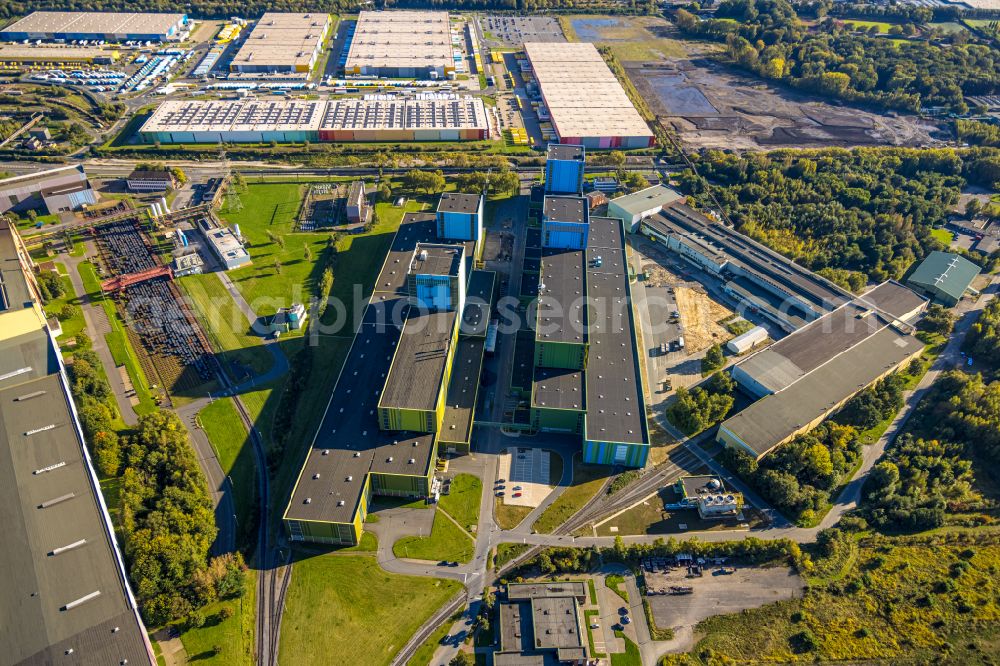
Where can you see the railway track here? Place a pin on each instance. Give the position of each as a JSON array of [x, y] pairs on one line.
[[273, 564]]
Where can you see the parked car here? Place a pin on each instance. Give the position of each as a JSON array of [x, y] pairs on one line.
[[516, 495], [500, 494], [518, 488], [626, 619]]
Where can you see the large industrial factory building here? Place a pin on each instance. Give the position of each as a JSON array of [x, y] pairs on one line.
[[401, 44], [282, 45], [586, 102], [107, 26], [430, 117], [417, 350]]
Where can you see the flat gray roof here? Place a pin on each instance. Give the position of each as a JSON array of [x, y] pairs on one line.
[[436, 259], [96, 23], [823, 340], [616, 409], [561, 299], [564, 151], [584, 97], [348, 443], [15, 294], [777, 417], [556, 623], [558, 388], [565, 209], [401, 38], [454, 202], [575, 588], [419, 363], [647, 199], [460, 404], [749, 255], [478, 303], [64, 587]]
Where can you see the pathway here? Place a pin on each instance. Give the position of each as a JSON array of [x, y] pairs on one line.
[[97, 324]]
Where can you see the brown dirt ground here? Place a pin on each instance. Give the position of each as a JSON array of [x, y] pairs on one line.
[[700, 316]]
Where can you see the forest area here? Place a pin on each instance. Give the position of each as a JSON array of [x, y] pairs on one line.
[[854, 216]]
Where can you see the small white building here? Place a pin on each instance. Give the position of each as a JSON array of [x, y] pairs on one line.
[[747, 341], [634, 208]]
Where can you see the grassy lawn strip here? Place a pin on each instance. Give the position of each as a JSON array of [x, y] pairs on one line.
[[228, 436], [234, 635], [424, 653], [593, 591], [508, 551], [588, 617], [616, 583], [364, 614], [587, 481], [447, 542], [630, 657], [508, 516], [462, 503], [226, 325], [72, 326]]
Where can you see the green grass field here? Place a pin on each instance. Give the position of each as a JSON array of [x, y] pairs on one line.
[[346, 609], [74, 325], [229, 439], [447, 541], [462, 503], [942, 236], [235, 634], [226, 325], [508, 516], [587, 480], [883, 27]]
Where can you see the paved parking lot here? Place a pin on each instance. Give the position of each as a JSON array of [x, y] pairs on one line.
[[527, 469], [713, 594], [515, 30]]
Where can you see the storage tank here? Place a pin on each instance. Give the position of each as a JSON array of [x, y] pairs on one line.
[[746, 342]]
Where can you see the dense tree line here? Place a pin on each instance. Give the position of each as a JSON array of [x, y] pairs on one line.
[[217, 9], [976, 133], [750, 550], [165, 520], [853, 215], [982, 342], [798, 478], [767, 38], [703, 406], [927, 472]]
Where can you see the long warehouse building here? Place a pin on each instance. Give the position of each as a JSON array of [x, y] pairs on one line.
[[66, 597], [282, 45], [786, 294], [804, 378], [422, 118], [401, 44], [90, 26], [408, 385], [586, 377], [585, 100]]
